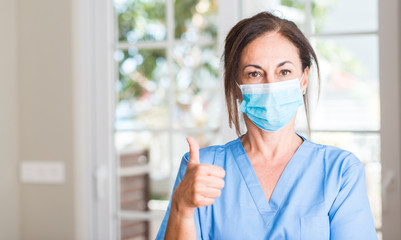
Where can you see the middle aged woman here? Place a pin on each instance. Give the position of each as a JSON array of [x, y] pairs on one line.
[[270, 183]]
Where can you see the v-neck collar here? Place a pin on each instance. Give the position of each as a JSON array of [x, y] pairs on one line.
[[266, 208]]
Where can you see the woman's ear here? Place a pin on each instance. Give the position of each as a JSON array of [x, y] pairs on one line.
[[304, 80]]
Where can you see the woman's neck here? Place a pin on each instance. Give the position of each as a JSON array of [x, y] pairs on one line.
[[271, 146]]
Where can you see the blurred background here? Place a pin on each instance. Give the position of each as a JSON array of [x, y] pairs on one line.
[[98, 96]]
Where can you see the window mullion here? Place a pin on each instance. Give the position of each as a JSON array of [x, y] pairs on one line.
[[162, 44], [176, 130], [170, 60], [139, 215], [344, 34], [343, 130], [308, 18]]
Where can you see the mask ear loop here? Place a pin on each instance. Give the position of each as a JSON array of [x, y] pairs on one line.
[[239, 86], [306, 105], [304, 92]]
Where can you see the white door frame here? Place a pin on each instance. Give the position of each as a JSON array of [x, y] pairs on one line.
[[390, 102], [92, 26]]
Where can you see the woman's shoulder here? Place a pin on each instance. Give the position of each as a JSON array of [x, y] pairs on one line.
[[334, 156], [213, 153]]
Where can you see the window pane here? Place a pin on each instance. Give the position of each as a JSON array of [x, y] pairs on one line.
[[195, 20], [367, 148], [349, 98], [330, 16], [144, 181], [155, 149], [197, 87], [141, 20], [142, 89], [293, 10], [134, 229], [181, 147], [373, 182]]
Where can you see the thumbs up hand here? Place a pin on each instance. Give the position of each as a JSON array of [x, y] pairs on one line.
[[200, 186]]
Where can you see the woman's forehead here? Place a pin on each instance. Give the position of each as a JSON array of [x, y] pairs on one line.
[[270, 48]]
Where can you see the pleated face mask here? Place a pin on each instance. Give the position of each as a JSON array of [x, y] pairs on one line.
[[271, 106]]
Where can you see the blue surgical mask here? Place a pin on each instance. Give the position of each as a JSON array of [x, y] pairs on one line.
[[271, 106]]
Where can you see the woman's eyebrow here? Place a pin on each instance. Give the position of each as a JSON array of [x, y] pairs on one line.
[[252, 65], [285, 62], [259, 67]]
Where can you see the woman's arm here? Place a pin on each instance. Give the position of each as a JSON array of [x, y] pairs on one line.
[[181, 223], [201, 184], [350, 214]]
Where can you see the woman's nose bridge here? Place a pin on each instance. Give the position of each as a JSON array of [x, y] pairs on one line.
[[270, 77]]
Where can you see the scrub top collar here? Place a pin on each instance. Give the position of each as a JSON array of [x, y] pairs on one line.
[[268, 209]]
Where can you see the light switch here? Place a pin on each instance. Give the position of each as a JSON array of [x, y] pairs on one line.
[[42, 172]]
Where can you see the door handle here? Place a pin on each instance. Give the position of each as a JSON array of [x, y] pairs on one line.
[[101, 180]]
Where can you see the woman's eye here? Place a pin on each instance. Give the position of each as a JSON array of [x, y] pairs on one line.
[[254, 74], [285, 72]]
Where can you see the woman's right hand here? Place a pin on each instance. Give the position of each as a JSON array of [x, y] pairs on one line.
[[200, 186]]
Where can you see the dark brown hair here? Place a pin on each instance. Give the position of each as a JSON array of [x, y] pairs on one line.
[[243, 33]]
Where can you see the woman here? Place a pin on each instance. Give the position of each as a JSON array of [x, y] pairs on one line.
[[270, 183]]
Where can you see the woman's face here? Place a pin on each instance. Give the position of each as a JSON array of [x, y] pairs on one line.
[[271, 58]]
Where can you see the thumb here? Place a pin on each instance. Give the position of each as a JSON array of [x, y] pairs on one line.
[[193, 151]]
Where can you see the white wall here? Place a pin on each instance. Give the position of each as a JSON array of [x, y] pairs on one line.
[[36, 120], [46, 115], [9, 191]]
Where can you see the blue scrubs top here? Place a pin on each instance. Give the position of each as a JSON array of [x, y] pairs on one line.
[[321, 194]]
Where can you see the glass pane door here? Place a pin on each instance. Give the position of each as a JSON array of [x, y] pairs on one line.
[[167, 83], [347, 112]]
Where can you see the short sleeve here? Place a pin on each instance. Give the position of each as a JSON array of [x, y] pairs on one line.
[[350, 214], [180, 175]]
